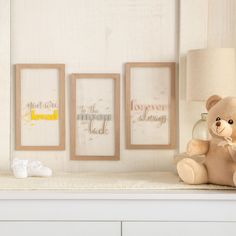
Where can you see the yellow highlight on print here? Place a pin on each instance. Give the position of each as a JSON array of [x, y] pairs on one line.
[[53, 116]]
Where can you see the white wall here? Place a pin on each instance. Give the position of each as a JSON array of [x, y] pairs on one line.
[[203, 23], [95, 36], [99, 36], [4, 83]]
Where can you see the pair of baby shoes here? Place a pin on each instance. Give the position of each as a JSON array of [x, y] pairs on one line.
[[25, 168]]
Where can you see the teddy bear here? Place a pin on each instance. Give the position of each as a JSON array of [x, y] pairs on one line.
[[219, 166]]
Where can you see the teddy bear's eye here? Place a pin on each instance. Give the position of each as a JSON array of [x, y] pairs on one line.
[[218, 118], [230, 122]]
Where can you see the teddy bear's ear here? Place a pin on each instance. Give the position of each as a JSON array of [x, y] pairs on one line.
[[211, 101]]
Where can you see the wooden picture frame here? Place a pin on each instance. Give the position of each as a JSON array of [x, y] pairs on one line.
[[38, 115], [150, 105], [93, 101]]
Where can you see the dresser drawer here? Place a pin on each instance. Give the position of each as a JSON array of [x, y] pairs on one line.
[[179, 228], [60, 228]]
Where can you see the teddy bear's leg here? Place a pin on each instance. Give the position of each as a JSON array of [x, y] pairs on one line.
[[233, 167], [192, 172], [234, 178]]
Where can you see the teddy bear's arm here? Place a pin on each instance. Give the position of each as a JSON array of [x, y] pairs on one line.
[[197, 147], [232, 152]]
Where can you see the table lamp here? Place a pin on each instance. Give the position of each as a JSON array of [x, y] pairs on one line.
[[209, 72]]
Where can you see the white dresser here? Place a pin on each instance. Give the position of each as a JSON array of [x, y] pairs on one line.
[[130, 213]]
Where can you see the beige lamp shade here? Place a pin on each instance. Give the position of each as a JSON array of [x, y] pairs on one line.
[[211, 71]]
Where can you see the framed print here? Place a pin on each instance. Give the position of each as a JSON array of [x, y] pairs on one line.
[[40, 107], [95, 117], [150, 105]]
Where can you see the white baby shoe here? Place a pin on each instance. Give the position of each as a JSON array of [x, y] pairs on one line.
[[36, 168], [19, 168]]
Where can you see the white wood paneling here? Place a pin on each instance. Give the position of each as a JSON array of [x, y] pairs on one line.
[[222, 23], [203, 23], [95, 36], [178, 228], [4, 83], [99, 36], [193, 34], [61, 228]]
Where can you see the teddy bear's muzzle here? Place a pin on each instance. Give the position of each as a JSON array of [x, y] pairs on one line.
[[221, 129]]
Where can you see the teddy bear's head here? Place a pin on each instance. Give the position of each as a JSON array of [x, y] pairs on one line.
[[222, 116]]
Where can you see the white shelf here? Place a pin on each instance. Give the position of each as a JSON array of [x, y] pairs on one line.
[[206, 195]]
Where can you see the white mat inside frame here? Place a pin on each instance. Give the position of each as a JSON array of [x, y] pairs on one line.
[[103, 181]]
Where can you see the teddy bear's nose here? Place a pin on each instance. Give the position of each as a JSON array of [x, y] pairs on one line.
[[218, 123]]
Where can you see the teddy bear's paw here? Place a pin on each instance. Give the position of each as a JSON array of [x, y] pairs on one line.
[[193, 147], [192, 172], [197, 147], [190, 147]]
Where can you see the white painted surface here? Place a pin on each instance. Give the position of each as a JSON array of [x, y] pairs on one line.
[[61, 228], [99, 36], [102, 213], [178, 228], [4, 84], [158, 195], [95, 36], [140, 213], [222, 23], [203, 23], [159, 206], [193, 34]]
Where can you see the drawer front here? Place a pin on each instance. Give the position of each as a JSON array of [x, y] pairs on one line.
[[60, 228], [178, 228]]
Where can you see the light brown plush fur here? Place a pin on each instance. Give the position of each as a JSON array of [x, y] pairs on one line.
[[220, 162]]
